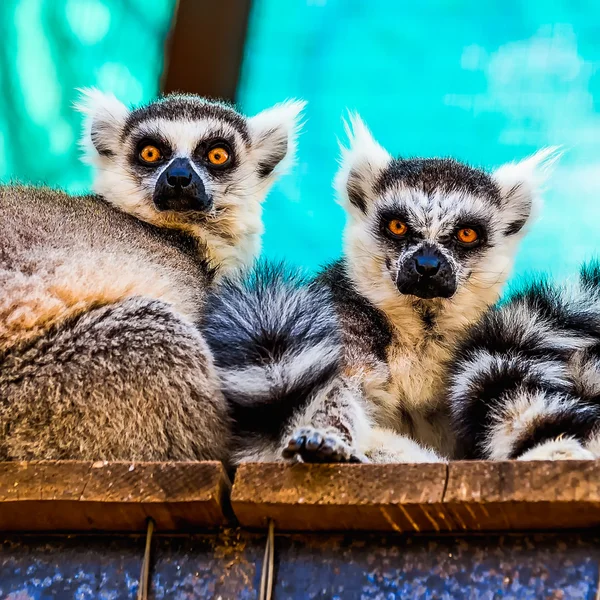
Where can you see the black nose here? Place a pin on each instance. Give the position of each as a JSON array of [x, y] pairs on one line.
[[427, 265], [179, 177]]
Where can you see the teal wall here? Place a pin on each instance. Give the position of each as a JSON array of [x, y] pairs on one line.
[[486, 82], [51, 47]]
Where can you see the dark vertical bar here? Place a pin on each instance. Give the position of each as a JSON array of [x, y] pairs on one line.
[[206, 47]]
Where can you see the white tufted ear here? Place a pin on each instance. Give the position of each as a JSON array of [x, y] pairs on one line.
[[361, 163], [521, 184], [104, 118], [274, 132]]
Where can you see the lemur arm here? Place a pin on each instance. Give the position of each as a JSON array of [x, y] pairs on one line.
[[334, 425], [337, 425]]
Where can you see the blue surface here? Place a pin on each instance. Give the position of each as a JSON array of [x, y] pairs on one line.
[[318, 567], [486, 82]]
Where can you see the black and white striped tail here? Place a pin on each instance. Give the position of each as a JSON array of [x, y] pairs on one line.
[[529, 371], [275, 341]]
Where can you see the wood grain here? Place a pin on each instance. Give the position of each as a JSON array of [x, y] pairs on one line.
[[86, 496], [461, 496], [340, 497], [516, 495]]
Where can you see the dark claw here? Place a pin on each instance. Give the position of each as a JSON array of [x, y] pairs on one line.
[[312, 447], [293, 447], [296, 443], [327, 447], [313, 442], [287, 453]]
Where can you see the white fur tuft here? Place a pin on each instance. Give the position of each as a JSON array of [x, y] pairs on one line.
[[275, 132], [361, 162], [566, 448], [521, 183], [103, 117]]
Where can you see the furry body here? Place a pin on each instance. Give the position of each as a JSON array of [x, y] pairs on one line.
[[526, 380], [405, 297], [100, 355]]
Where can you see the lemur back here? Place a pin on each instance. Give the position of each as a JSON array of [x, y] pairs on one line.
[[62, 254], [525, 382], [100, 355]]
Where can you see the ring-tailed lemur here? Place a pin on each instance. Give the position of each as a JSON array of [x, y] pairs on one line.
[[429, 244], [100, 357], [525, 383]]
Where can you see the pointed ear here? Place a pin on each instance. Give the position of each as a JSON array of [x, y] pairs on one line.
[[274, 132], [361, 164], [521, 185], [103, 120]]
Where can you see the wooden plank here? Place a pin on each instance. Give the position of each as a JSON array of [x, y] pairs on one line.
[[117, 496], [307, 497], [462, 496], [206, 47], [517, 495]]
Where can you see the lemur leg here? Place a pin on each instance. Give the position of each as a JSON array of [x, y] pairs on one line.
[[333, 427], [128, 381], [387, 446], [566, 448]]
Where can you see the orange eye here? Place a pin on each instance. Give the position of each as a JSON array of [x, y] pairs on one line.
[[218, 156], [397, 227], [150, 154], [466, 235]]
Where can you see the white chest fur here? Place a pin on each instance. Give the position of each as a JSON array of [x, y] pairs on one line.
[[416, 372], [408, 391]]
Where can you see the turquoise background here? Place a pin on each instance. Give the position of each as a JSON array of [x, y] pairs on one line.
[[51, 47], [486, 82]]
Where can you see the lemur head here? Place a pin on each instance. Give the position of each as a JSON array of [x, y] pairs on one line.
[[433, 232], [188, 163]]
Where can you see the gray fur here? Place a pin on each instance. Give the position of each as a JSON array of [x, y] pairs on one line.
[[127, 381], [99, 357]]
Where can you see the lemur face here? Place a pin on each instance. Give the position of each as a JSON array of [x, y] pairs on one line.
[[185, 162], [429, 228], [434, 222]]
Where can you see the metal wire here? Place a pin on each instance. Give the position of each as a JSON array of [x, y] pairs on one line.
[[266, 577], [145, 573]]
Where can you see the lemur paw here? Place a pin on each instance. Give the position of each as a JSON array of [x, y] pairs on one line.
[[558, 449], [320, 446]]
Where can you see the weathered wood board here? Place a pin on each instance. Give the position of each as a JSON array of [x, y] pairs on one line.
[[461, 496], [117, 496]]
